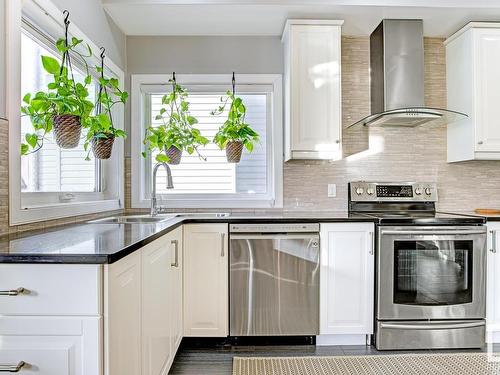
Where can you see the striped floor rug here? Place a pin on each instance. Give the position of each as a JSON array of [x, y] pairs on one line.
[[399, 364]]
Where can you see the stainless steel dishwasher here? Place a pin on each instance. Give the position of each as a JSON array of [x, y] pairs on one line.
[[274, 279]]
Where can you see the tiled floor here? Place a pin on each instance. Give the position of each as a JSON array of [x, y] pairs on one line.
[[218, 360]]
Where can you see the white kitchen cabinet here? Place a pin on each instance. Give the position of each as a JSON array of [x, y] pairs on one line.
[[176, 291], [122, 316], [473, 87], [313, 120], [144, 299], [157, 340], [347, 279], [206, 280], [52, 345], [52, 320], [493, 284]]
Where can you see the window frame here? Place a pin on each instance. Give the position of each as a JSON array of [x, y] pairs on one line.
[[141, 167], [53, 205]]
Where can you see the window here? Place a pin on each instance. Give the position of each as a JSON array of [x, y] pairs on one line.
[[53, 183], [51, 169], [212, 181]]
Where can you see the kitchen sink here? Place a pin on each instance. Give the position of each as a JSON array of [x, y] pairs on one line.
[[147, 219], [142, 219]]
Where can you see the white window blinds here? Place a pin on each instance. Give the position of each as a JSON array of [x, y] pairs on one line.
[[215, 176]]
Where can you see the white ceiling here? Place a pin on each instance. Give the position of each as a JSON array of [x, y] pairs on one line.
[[261, 17]]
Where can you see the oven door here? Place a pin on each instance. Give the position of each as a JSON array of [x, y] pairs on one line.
[[431, 273]]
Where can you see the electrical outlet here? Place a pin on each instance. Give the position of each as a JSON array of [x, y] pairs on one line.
[[332, 190]]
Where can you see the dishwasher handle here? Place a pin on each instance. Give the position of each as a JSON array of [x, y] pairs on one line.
[[279, 236]]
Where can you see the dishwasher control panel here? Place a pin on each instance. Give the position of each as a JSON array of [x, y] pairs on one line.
[[275, 228]]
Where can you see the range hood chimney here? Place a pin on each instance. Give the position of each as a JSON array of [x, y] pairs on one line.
[[397, 77]]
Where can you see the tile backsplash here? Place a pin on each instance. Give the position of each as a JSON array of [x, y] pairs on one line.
[[415, 154]]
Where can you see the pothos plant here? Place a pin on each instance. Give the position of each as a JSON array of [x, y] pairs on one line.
[[64, 95], [235, 132], [101, 132], [177, 132]]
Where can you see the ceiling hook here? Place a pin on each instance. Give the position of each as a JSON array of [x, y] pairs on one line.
[[233, 81], [66, 17], [102, 52]]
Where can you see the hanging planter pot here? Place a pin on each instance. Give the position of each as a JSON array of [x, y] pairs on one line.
[[103, 147], [67, 130], [233, 151], [174, 154]]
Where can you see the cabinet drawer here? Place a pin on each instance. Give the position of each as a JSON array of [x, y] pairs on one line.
[[52, 346], [50, 289]]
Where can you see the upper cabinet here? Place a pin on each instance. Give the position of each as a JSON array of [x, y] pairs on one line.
[[313, 122], [473, 85]]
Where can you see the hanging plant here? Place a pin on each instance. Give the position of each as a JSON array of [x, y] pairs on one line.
[[64, 105], [177, 132], [235, 133], [101, 133]]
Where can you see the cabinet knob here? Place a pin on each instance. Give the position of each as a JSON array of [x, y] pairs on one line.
[[337, 141], [480, 142]]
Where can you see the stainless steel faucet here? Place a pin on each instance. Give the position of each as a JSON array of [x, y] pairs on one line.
[[170, 185]]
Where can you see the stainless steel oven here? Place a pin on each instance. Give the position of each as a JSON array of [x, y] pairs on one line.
[[431, 268], [431, 281]]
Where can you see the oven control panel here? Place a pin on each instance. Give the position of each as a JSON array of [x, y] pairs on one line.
[[362, 191]]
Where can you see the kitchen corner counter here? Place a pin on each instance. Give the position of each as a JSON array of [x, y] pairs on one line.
[[97, 243]]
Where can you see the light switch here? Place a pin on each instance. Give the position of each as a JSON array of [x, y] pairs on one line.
[[332, 190]]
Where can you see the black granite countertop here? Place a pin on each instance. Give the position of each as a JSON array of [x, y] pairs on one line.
[[100, 243]]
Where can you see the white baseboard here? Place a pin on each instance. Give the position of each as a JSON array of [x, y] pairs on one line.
[[492, 336], [323, 340]]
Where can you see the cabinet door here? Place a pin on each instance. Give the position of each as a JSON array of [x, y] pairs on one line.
[[315, 91], [52, 345], [347, 278], [123, 315], [156, 307], [205, 280], [487, 74], [493, 283], [176, 289]]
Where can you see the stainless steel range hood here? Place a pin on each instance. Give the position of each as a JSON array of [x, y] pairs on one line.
[[397, 78]]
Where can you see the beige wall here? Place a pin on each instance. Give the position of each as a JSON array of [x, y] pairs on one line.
[[407, 154]]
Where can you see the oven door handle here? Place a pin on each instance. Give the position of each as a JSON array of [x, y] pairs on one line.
[[433, 232], [429, 326]]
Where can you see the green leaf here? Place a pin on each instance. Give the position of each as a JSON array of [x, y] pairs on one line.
[[88, 80], [31, 139], [144, 155], [26, 98], [249, 146], [24, 149], [162, 158], [51, 65]]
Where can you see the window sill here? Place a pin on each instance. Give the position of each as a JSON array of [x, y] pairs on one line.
[[44, 212], [213, 203]]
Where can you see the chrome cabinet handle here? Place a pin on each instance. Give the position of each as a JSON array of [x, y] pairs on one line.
[[432, 326], [432, 233], [493, 241], [13, 292], [12, 368], [372, 251], [176, 246], [222, 236]]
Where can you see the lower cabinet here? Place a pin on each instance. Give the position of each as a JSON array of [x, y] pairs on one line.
[[51, 319], [51, 345], [347, 279], [206, 310], [493, 284], [144, 298]]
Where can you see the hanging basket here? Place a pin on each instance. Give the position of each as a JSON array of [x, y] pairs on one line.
[[102, 147], [233, 152], [67, 130], [175, 155]]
